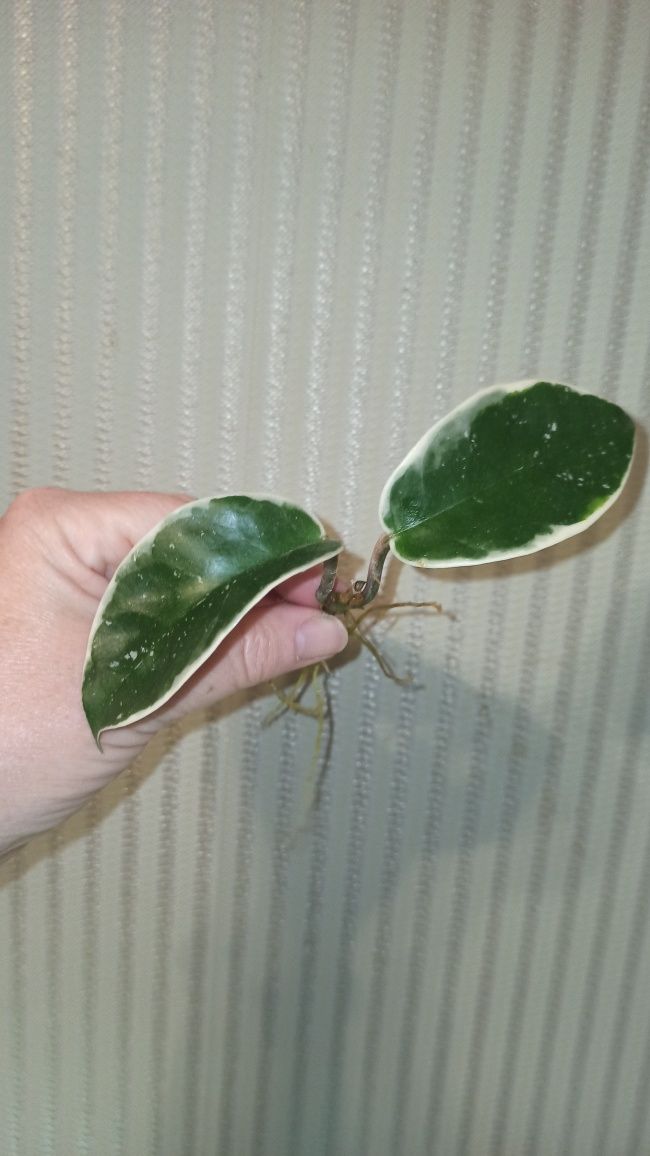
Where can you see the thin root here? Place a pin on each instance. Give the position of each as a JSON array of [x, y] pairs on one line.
[[354, 628], [353, 622], [313, 678], [307, 678], [381, 607]]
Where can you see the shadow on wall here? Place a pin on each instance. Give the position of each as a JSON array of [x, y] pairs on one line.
[[398, 849], [495, 715]]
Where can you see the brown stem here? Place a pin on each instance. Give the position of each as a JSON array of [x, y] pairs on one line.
[[326, 586], [361, 592]]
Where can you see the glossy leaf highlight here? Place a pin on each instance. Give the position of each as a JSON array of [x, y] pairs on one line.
[[182, 590], [512, 470]]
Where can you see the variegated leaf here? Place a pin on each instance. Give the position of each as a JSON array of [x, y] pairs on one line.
[[180, 592], [512, 470]]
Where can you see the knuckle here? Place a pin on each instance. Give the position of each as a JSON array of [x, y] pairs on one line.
[[31, 504], [33, 500], [257, 656]]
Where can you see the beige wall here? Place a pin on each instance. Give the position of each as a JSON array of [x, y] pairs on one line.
[[262, 246]]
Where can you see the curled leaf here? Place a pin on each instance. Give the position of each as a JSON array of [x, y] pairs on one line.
[[182, 590]]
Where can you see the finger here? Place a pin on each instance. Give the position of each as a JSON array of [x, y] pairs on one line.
[[103, 528], [302, 588], [97, 530]]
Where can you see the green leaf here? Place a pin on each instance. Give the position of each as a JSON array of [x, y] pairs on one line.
[[512, 470], [181, 591]]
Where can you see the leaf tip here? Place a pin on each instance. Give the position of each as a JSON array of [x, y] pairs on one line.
[[95, 726]]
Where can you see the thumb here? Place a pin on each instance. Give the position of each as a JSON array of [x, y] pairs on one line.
[[274, 639], [282, 637]]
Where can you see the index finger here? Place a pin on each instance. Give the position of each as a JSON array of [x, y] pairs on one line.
[[301, 589]]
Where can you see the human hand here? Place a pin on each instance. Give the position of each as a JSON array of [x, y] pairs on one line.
[[58, 550]]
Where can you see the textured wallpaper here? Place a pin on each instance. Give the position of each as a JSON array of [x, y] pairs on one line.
[[263, 246]]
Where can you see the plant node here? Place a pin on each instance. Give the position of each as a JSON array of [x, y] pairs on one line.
[[362, 592]]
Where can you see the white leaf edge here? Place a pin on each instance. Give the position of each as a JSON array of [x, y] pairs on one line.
[[542, 541], [187, 673]]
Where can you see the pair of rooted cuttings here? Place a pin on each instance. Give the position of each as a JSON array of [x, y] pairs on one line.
[[514, 469]]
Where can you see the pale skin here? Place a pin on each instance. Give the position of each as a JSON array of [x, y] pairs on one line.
[[58, 550]]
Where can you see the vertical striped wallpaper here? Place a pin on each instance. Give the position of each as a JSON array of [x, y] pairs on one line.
[[263, 246]]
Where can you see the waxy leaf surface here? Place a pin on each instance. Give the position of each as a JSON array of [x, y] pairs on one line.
[[181, 591], [514, 469]]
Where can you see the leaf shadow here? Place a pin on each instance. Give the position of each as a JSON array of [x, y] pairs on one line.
[[111, 797]]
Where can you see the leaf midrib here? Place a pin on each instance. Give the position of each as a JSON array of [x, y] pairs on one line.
[[454, 505]]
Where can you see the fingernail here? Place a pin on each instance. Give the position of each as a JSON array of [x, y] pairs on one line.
[[320, 636]]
